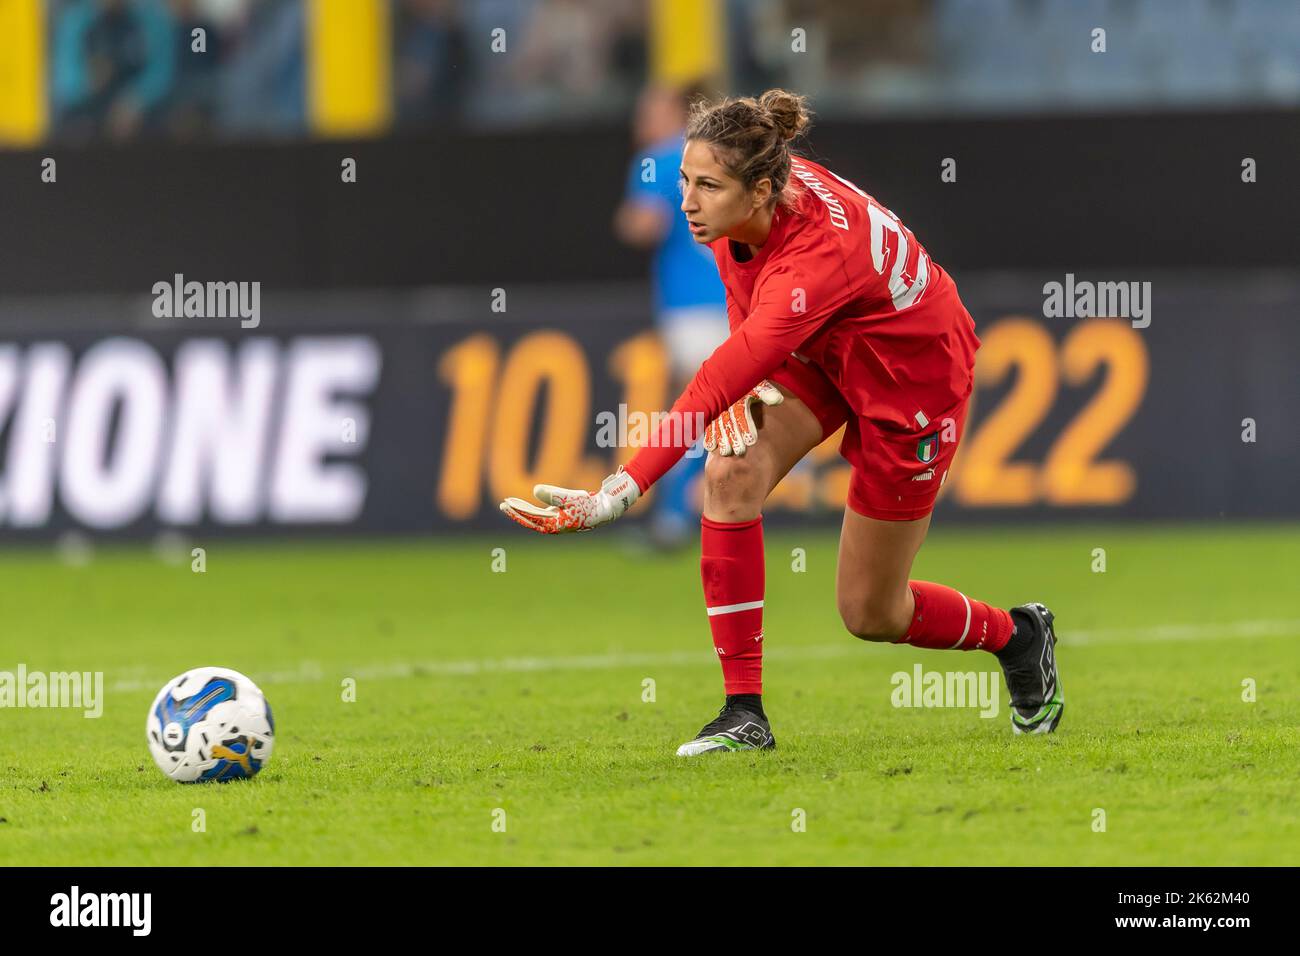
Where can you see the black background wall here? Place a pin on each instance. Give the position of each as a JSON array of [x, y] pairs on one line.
[[1080, 193], [104, 426]]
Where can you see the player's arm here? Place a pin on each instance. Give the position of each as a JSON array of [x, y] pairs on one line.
[[756, 349], [749, 354], [790, 305], [731, 370], [640, 223], [734, 431], [734, 314], [644, 217]]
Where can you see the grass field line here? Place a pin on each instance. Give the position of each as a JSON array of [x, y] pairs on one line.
[[312, 672]]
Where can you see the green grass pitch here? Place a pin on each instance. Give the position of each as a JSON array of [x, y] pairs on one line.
[[522, 692]]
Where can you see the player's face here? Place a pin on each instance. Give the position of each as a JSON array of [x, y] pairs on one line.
[[715, 202]]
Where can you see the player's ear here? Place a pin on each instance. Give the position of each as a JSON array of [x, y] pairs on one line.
[[762, 193]]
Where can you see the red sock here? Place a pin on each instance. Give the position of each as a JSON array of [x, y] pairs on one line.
[[945, 619], [731, 565]]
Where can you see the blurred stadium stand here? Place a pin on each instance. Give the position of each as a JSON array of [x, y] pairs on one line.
[[274, 68]]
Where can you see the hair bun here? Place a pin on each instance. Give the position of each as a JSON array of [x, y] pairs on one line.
[[787, 111]]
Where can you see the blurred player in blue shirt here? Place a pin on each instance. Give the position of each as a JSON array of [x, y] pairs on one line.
[[689, 302]]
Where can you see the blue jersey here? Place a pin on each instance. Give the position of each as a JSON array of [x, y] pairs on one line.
[[684, 272]]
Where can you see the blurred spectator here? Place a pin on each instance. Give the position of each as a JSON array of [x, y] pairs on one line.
[[629, 54], [192, 105], [565, 48], [227, 14], [123, 67], [748, 24], [571, 54], [114, 65], [852, 61], [429, 66], [264, 87]]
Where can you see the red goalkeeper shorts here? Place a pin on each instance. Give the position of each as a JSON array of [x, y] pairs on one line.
[[897, 473]]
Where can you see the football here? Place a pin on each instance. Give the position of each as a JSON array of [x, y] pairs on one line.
[[210, 724]]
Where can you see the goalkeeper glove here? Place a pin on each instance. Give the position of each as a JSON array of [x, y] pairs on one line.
[[733, 431], [572, 510]]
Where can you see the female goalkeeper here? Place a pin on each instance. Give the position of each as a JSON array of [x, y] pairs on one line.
[[837, 316]]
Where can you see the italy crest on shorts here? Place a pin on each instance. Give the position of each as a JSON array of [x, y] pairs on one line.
[[927, 448]]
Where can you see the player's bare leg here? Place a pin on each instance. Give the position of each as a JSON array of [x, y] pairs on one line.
[[879, 602], [871, 578], [731, 565], [736, 486]]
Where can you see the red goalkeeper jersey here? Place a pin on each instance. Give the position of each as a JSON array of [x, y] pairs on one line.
[[841, 283]]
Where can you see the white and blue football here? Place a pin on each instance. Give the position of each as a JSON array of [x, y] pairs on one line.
[[210, 724]]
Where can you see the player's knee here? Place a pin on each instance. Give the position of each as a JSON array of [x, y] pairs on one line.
[[873, 620], [734, 487]]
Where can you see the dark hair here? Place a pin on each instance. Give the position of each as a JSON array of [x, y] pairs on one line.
[[751, 137]]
